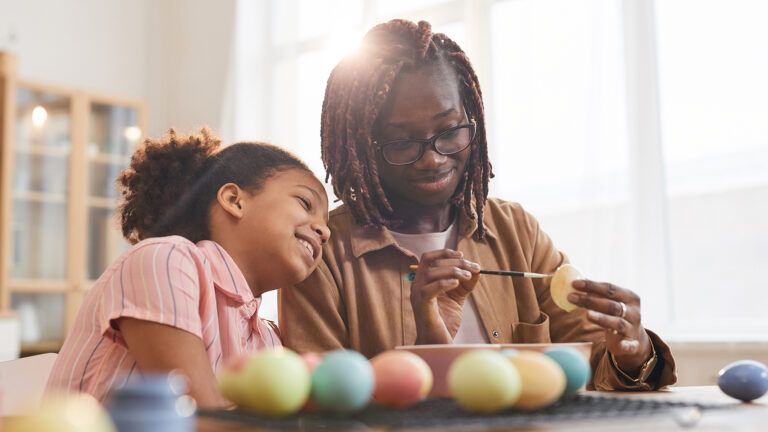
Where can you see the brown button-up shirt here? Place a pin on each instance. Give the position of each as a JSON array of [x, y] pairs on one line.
[[359, 296]]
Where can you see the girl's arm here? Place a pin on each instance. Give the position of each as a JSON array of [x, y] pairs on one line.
[[161, 348]]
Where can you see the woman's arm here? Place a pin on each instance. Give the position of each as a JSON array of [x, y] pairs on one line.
[[161, 348]]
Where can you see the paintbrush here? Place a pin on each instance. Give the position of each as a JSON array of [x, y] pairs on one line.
[[503, 273]]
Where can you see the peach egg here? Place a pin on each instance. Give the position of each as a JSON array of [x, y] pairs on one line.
[[560, 286], [543, 380], [484, 381], [401, 378]]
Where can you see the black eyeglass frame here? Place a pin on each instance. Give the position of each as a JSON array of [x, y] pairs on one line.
[[430, 142]]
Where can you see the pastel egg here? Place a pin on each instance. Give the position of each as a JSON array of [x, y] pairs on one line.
[[342, 382], [484, 381], [272, 382], [543, 380], [745, 380], [401, 378], [560, 286], [65, 413], [576, 367], [311, 360]]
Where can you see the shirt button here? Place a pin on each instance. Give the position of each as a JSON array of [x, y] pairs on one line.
[[495, 333]]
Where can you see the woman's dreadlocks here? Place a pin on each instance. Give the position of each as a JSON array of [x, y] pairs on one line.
[[357, 90]]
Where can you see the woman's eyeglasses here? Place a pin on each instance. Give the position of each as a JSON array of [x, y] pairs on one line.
[[447, 142]]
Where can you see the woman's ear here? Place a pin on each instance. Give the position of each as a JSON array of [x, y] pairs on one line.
[[231, 198]]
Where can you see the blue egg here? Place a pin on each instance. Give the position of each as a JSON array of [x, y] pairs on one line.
[[509, 352], [342, 382], [576, 367], [745, 380]]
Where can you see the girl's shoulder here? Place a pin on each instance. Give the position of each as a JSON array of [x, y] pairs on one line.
[[157, 249], [176, 243]]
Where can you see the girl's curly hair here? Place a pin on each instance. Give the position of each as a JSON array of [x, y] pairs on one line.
[[172, 181]]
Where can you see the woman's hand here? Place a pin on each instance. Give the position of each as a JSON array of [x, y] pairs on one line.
[[443, 281], [617, 310]]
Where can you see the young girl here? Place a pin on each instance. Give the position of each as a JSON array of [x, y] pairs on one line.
[[213, 228]]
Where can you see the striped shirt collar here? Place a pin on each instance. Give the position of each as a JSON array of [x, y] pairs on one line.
[[227, 277]]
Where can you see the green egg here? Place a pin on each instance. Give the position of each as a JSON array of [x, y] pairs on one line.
[[576, 367], [342, 382]]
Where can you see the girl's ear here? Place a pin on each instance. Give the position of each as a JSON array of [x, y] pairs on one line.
[[231, 198]]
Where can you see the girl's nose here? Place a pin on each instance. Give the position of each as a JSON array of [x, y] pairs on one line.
[[323, 231]]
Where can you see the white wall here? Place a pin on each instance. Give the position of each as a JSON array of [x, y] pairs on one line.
[[173, 54], [188, 61], [89, 44]]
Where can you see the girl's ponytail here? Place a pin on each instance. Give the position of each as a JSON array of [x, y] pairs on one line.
[[160, 176], [171, 183]]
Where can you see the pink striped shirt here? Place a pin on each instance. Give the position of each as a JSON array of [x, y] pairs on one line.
[[168, 280]]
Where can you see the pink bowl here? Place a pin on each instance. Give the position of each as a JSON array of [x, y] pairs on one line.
[[440, 357]]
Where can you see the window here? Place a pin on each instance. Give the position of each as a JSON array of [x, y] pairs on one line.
[[714, 116], [635, 133]]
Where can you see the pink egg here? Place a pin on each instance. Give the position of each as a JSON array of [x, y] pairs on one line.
[[401, 378], [311, 359]]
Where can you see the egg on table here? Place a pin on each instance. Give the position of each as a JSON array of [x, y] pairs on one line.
[[484, 381], [542, 379], [272, 382], [76, 412], [576, 368], [401, 378], [342, 382], [745, 380]]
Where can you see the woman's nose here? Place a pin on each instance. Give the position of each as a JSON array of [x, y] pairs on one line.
[[430, 159]]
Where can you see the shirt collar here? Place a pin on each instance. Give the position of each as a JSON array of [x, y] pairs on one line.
[[370, 239], [227, 277]]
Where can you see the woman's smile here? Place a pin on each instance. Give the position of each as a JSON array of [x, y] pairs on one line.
[[434, 182]]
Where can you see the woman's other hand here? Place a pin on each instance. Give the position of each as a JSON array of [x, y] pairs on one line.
[[443, 281], [617, 310]]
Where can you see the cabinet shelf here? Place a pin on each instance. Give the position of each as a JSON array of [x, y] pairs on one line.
[[42, 150], [109, 158], [38, 286], [102, 202], [40, 197]]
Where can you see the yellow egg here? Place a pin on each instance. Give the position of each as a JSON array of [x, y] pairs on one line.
[[543, 380], [483, 381], [65, 413], [273, 382], [560, 286]]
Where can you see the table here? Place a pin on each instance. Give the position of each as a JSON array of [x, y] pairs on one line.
[[731, 415]]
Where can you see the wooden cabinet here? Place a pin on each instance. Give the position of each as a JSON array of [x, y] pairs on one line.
[[61, 150]]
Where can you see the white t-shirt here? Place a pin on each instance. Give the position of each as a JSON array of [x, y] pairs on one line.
[[471, 329]]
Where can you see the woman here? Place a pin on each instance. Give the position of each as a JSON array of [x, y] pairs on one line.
[[404, 141]]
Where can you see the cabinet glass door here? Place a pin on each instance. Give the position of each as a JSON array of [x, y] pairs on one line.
[[40, 185], [113, 135]]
